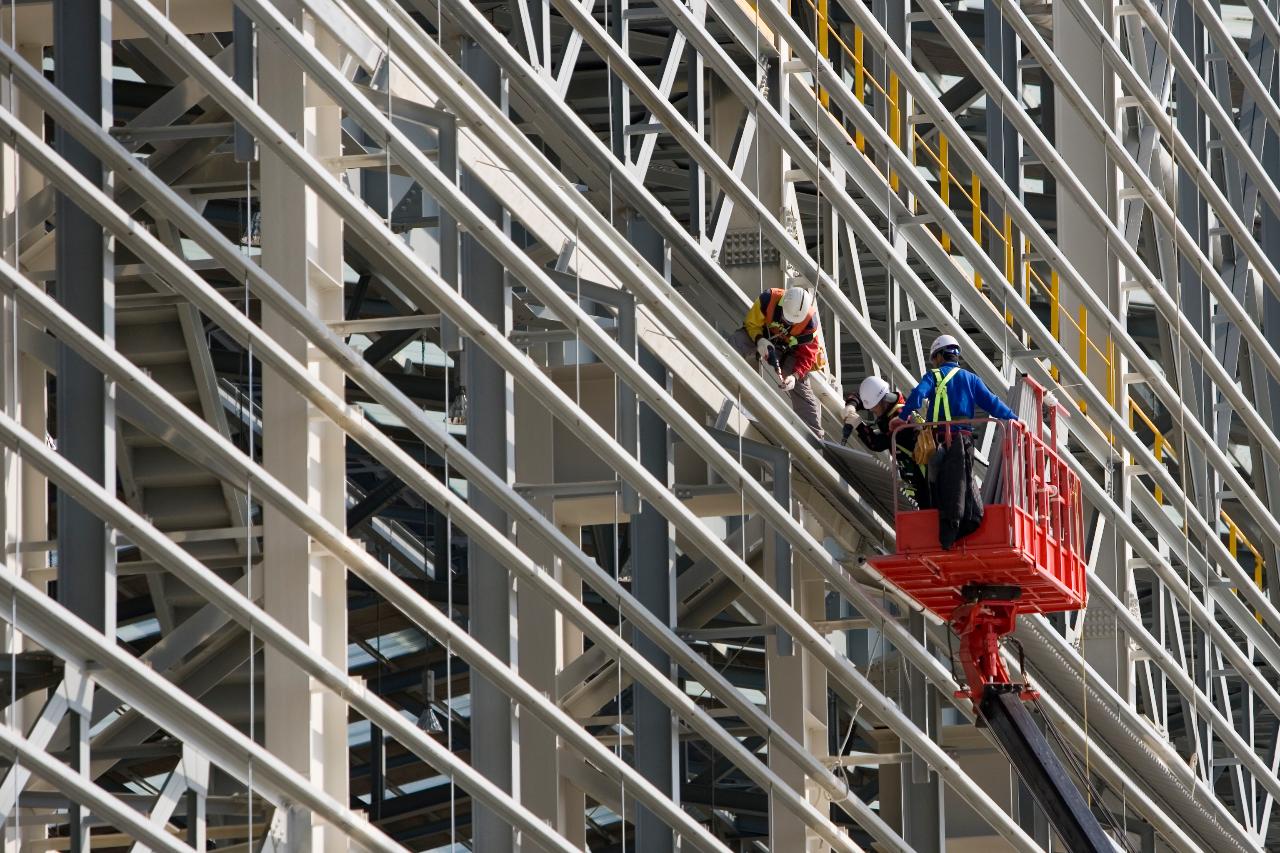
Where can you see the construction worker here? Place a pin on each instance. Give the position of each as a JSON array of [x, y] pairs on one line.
[[870, 412], [953, 394], [781, 329]]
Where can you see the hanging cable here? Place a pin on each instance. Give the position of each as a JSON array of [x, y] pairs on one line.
[[13, 718], [617, 576], [248, 501], [1081, 772], [448, 647]]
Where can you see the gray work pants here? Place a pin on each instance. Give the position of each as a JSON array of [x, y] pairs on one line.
[[803, 400]]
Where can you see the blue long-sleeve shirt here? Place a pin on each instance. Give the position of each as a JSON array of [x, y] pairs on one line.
[[964, 391]]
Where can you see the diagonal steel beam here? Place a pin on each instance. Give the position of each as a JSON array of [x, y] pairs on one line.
[[191, 771], [129, 678], [22, 752], [230, 318], [73, 695]]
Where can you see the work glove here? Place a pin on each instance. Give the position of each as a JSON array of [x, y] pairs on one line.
[[864, 433], [788, 383], [764, 348]]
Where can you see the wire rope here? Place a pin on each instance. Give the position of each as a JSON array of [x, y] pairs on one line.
[[448, 572], [13, 718], [248, 501], [450, 397], [1082, 773]]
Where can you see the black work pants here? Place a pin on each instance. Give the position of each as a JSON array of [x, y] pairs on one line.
[[955, 492]]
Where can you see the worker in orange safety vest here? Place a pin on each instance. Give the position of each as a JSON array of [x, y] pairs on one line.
[[781, 329]]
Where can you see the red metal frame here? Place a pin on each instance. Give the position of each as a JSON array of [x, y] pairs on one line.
[[1031, 538]]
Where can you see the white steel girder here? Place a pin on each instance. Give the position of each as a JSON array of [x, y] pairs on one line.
[[1220, 608]]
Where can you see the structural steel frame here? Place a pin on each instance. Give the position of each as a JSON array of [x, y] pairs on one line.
[[750, 683]]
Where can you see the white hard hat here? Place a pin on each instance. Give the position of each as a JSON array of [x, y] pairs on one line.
[[796, 303], [942, 342], [872, 390]]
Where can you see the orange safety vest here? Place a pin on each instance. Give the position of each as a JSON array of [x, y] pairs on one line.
[[777, 328]]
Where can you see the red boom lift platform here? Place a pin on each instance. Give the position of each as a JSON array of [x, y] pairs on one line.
[[1027, 556]]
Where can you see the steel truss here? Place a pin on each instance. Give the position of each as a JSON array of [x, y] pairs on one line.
[[623, 603]]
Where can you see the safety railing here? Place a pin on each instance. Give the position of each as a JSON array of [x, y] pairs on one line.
[[938, 164], [1036, 512], [1162, 448]]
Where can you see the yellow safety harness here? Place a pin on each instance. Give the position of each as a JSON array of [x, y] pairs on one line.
[[940, 400]]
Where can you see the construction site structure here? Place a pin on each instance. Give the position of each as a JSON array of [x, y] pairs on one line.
[[378, 473]]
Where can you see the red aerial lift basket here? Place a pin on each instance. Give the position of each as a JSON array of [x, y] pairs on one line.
[[1025, 557], [1031, 538]]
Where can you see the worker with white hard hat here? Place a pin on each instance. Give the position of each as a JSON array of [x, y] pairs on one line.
[[870, 412], [950, 393], [953, 391], [781, 330]]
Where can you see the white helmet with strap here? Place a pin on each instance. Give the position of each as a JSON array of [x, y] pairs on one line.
[[872, 391], [943, 342], [797, 302]]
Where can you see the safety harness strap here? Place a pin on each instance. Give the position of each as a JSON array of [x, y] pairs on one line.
[[799, 333], [940, 394]]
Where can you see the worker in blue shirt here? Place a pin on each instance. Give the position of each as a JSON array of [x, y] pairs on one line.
[[961, 390], [952, 394]]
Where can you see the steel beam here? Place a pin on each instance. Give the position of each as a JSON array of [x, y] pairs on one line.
[[340, 546], [83, 795], [231, 319]]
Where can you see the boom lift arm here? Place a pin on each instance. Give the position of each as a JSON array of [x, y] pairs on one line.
[[1003, 712], [1025, 557]]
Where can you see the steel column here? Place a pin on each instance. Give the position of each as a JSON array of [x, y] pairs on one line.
[[86, 418], [489, 433], [797, 696], [1080, 237], [25, 381], [1004, 147], [540, 624], [85, 400], [923, 795], [653, 575], [243, 72], [305, 588]]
